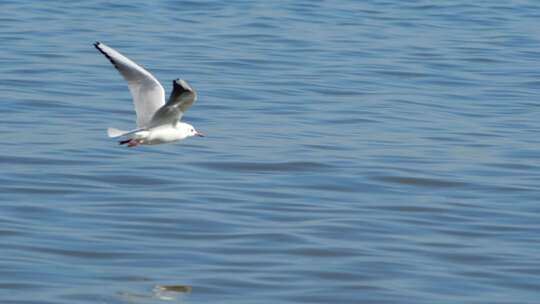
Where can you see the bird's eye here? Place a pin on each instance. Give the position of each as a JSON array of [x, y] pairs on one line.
[[192, 130]]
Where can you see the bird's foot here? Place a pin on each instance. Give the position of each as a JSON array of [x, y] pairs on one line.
[[133, 143], [130, 142]]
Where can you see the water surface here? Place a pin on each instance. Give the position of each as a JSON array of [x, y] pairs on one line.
[[357, 152]]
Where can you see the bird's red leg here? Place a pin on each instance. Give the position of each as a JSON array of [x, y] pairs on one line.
[[133, 143]]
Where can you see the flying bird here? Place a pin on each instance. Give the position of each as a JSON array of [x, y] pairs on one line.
[[158, 122]]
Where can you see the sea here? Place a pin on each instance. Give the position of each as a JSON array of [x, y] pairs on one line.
[[377, 151]]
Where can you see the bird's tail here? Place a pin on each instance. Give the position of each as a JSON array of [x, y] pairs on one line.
[[113, 133]]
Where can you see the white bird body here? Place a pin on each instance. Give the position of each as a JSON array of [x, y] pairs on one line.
[[164, 134], [158, 121]]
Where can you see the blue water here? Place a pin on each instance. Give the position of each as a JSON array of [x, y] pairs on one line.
[[357, 152]]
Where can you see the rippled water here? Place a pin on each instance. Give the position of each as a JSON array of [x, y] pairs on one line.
[[357, 152]]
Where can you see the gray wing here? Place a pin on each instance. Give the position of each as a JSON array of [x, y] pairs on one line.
[[148, 94], [181, 99]]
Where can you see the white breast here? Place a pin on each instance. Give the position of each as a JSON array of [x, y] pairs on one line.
[[163, 134]]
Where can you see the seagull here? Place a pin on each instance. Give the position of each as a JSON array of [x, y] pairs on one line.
[[158, 122]]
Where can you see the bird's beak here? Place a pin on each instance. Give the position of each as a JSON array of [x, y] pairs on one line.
[[199, 134]]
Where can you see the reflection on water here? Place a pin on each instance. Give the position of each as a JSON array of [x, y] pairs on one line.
[[169, 293]]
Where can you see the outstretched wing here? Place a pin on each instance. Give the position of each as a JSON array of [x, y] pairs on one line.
[[182, 97], [148, 94]]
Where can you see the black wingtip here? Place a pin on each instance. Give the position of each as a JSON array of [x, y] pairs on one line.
[[97, 44], [179, 85]]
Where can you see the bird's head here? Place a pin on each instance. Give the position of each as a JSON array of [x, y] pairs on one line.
[[191, 131]]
